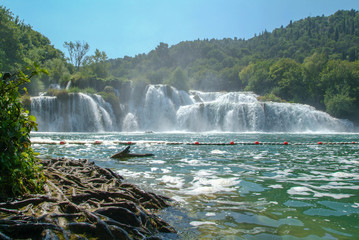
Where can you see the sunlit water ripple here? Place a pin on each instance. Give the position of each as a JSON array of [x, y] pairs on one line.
[[306, 191]]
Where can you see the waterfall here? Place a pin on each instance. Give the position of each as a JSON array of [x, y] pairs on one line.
[[68, 85], [76, 112], [164, 108]]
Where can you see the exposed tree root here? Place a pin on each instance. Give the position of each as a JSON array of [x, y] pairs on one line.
[[82, 200]]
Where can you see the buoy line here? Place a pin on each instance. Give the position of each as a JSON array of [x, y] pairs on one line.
[[97, 142]]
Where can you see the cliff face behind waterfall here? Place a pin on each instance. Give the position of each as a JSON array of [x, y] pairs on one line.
[[164, 108]]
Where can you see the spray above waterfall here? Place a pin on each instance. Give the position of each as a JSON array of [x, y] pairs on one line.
[[164, 108]]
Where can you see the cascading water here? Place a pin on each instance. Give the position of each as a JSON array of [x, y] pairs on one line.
[[76, 112], [164, 108], [158, 109]]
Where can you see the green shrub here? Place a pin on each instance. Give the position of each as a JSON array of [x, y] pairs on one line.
[[110, 96], [60, 93], [26, 102], [339, 105], [74, 90], [19, 169], [89, 90], [271, 97], [108, 89]]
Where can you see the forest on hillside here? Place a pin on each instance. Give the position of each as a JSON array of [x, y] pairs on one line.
[[313, 61]]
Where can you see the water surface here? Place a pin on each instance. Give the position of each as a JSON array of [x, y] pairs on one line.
[[298, 191]]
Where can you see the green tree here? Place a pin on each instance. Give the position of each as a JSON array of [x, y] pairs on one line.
[[256, 77], [288, 76], [98, 64], [340, 83], [58, 71], [340, 104], [158, 77], [163, 55], [179, 79], [77, 51], [10, 41], [312, 69], [20, 45], [338, 75], [19, 169], [35, 86]]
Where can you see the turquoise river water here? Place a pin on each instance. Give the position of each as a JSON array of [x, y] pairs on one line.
[[302, 190]]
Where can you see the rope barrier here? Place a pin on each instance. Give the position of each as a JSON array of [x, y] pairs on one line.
[[186, 143]]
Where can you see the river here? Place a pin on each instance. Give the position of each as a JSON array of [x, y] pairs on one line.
[[303, 190]]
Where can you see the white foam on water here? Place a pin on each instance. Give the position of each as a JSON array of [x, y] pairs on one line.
[[166, 170], [210, 214], [199, 223], [173, 182], [282, 173], [201, 185], [349, 162], [156, 162], [332, 195], [204, 172], [217, 151], [193, 162], [339, 175], [178, 199], [337, 185], [276, 186], [305, 191], [128, 173], [134, 175], [299, 191]]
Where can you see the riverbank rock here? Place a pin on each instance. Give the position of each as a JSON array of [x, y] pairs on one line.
[[83, 201]]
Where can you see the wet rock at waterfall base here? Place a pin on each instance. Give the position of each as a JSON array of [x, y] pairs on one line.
[[83, 201]]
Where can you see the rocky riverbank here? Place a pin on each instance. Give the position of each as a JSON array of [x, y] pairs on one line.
[[83, 201]]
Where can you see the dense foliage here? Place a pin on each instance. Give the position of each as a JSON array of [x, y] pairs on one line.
[[20, 45], [312, 61], [19, 170]]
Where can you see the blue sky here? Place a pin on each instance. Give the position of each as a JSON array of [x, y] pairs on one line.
[[131, 27]]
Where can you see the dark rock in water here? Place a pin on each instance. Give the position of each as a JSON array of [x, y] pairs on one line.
[[80, 201]]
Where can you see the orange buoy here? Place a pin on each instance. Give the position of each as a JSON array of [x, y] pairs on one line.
[[129, 143], [256, 142], [97, 142], [320, 143], [353, 142], [62, 142], [196, 143], [285, 143], [231, 143]]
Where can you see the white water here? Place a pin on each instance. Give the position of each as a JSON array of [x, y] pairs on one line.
[[77, 113], [164, 108]]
